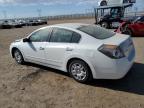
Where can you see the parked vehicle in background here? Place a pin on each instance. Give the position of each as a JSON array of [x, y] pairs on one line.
[[42, 22], [27, 22], [134, 27], [22, 22], [1, 24], [110, 16], [32, 23], [36, 22], [7, 24], [16, 23], [85, 51]]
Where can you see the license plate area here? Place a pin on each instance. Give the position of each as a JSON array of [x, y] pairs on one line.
[[128, 50], [131, 55]]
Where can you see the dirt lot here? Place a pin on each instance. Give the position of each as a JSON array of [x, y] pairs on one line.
[[34, 86]]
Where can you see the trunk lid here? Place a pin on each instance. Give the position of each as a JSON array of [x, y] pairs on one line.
[[123, 41], [117, 39]]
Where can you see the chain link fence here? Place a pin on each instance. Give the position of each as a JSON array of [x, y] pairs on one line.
[[75, 16]]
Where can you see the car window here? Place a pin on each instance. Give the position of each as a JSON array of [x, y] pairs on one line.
[[41, 35], [61, 35], [139, 19], [96, 31], [75, 38], [142, 19]]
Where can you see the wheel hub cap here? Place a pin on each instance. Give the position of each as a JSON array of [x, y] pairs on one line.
[[17, 56], [78, 71]]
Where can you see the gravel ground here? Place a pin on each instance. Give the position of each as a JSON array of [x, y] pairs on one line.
[[34, 86]]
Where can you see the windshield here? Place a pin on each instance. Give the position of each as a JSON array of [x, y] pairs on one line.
[[137, 19], [96, 31]]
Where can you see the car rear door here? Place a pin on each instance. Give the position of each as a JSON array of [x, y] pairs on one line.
[[59, 46]]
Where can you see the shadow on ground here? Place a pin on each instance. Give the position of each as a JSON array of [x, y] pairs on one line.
[[133, 82], [45, 69]]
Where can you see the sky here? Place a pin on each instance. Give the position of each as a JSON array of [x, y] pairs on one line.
[[32, 8]]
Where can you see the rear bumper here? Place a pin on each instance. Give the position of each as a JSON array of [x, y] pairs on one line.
[[115, 69], [117, 72]]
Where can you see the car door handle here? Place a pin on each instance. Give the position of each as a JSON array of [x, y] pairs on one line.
[[41, 48], [69, 49]]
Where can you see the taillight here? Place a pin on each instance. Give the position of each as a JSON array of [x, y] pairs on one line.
[[112, 51]]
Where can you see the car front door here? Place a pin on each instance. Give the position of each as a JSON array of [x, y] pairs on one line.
[[141, 26], [34, 50], [61, 44]]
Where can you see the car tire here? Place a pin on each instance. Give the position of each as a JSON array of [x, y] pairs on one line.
[[80, 71], [129, 32], [18, 56], [105, 25]]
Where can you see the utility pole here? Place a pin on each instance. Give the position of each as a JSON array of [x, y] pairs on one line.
[[4, 14], [39, 12], [136, 9]]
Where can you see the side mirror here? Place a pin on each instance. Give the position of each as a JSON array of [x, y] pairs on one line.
[[26, 40]]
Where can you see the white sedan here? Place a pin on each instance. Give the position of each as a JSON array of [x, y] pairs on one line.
[[85, 51]]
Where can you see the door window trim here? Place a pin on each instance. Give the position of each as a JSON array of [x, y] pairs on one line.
[[48, 36], [63, 42]]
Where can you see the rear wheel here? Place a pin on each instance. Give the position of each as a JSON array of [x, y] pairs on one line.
[[18, 56], [105, 25], [80, 71]]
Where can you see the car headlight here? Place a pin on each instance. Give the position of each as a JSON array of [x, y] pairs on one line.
[[112, 51]]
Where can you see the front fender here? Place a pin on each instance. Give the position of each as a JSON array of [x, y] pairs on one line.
[[15, 45]]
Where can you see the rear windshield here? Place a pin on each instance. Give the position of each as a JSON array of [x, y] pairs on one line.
[[96, 31]]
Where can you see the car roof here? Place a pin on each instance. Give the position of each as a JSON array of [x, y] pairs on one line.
[[69, 25], [115, 5]]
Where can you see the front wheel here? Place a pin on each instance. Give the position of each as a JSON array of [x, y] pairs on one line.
[[129, 32], [80, 71], [18, 57]]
